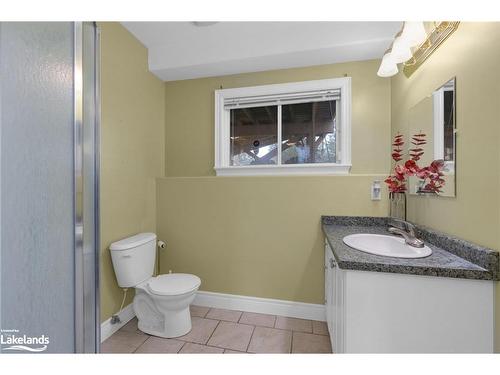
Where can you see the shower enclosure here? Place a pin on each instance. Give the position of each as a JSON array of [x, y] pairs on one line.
[[49, 169]]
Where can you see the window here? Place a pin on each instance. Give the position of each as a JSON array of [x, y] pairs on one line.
[[293, 128]]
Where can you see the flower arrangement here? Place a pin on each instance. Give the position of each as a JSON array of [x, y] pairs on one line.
[[432, 175]]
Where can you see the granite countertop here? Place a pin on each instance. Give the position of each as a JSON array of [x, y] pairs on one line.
[[451, 257]]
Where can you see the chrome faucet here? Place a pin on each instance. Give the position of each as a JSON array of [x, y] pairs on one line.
[[408, 233]]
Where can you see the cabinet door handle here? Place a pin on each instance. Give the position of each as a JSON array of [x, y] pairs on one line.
[[332, 263]]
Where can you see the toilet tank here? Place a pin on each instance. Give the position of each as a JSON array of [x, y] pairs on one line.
[[134, 259]]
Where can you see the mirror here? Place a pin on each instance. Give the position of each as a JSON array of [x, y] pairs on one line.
[[432, 124]]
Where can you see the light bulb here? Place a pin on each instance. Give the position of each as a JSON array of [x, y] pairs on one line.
[[414, 33], [400, 49], [388, 66]]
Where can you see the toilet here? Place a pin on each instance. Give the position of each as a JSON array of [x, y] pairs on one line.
[[161, 303]]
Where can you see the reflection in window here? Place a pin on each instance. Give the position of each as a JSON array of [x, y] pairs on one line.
[[254, 135], [309, 133], [448, 115]]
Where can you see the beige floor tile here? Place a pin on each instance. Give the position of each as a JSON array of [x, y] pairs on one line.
[[123, 342], [197, 348], [222, 314], [227, 337], [293, 324], [130, 326], [160, 345], [309, 343], [263, 320], [233, 336], [270, 340], [199, 311], [201, 331], [319, 328]]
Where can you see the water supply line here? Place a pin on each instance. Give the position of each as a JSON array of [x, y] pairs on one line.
[[116, 318]]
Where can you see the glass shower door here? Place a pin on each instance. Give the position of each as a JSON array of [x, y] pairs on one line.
[[48, 221]]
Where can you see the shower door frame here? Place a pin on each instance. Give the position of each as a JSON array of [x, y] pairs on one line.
[[84, 298]]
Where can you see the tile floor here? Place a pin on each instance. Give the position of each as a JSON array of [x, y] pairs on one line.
[[227, 331]]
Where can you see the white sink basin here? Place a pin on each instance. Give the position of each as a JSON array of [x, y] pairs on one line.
[[388, 246]]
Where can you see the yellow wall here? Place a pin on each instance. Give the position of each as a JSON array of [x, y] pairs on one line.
[[472, 55], [132, 148], [261, 236]]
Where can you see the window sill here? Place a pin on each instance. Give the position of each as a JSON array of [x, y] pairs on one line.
[[285, 170]]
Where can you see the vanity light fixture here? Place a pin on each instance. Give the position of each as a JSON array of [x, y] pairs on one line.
[[440, 32], [411, 34], [412, 45]]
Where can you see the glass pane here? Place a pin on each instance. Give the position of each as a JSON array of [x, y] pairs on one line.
[[254, 135], [309, 133], [37, 226]]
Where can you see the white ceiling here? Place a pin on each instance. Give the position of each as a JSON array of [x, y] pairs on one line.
[[181, 50]]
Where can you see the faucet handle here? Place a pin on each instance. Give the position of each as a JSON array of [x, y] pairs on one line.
[[398, 223], [409, 227]]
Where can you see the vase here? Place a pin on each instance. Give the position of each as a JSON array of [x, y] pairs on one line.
[[397, 206]]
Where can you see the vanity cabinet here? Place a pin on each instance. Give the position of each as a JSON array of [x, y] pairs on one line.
[[377, 312]]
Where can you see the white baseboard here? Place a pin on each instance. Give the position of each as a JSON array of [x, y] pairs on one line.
[[261, 305], [126, 315], [232, 302]]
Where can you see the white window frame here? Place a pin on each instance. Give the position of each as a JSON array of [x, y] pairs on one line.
[[222, 129]]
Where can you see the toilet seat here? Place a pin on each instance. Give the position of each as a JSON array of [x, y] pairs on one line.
[[173, 284]]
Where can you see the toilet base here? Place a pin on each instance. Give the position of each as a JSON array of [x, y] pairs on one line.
[[160, 317], [177, 324]]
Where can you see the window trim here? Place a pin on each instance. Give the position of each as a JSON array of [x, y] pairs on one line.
[[438, 127], [222, 129]]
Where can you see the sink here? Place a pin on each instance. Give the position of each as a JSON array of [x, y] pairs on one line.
[[388, 246]]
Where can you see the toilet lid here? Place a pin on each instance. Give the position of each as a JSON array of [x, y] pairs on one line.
[[173, 284]]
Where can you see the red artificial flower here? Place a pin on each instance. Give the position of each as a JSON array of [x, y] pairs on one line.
[[398, 149], [432, 175], [411, 167], [423, 173], [436, 166]]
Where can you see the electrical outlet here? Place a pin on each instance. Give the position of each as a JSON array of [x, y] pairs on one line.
[[376, 191]]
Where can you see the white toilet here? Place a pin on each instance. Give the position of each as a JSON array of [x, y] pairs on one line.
[[161, 303]]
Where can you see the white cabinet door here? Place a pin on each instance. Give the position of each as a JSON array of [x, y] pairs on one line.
[[330, 298], [398, 313]]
